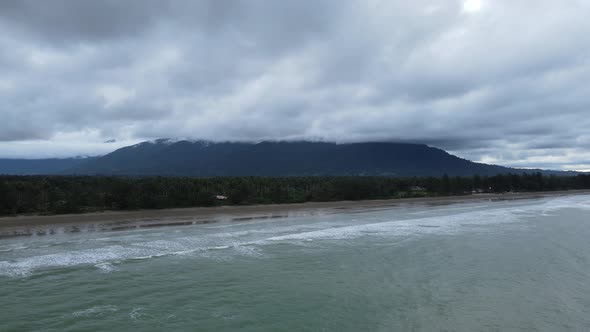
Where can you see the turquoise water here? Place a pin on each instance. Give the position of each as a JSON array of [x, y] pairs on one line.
[[487, 266]]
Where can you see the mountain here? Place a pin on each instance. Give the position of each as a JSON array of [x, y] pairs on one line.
[[206, 159], [39, 166]]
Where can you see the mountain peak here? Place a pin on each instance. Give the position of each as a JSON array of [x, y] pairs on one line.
[[184, 157]]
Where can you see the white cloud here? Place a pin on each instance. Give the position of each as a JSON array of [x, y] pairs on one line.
[[502, 81], [114, 95], [472, 6]]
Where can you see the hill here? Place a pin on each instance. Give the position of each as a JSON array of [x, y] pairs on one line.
[[207, 159], [39, 166]]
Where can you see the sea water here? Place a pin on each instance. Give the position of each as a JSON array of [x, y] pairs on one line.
[[480, 266]]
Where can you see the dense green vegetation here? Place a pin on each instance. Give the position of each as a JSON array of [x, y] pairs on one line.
[[64, 194], [208, 159]]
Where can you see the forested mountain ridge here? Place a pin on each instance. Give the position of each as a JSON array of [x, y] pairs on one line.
[[205, 159], [166, 157], [39, 166]]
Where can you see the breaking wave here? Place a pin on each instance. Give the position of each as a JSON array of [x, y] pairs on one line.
[[249, 240]]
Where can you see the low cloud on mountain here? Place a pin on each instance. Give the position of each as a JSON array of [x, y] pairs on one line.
[[495, 81]]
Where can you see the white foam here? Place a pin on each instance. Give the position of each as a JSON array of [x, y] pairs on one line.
[[102, 257], [440, 224], [106, 267], [443, 224], [219, 248], [137, 313], [245, 241], [97, 310]]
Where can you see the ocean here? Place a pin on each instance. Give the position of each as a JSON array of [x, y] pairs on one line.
[[521, 265]]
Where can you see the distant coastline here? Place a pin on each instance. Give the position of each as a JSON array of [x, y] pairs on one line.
[[30, 225]]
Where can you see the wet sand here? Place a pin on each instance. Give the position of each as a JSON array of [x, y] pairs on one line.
[[124, 220]]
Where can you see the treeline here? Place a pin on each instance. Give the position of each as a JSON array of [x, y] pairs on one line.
[[64, 194]]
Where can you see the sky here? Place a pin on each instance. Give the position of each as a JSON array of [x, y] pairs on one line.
[[497, 81]]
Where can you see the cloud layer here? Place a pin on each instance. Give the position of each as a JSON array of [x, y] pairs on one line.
[[501, 81]]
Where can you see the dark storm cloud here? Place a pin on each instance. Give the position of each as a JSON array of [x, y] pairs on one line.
[[497, 81], [64, 21]]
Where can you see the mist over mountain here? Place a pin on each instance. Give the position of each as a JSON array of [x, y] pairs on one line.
[[172, 157], [206, 159]]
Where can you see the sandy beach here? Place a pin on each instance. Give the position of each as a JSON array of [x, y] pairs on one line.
[[122, 220]]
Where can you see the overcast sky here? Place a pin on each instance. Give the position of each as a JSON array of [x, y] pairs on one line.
[[498, 81]]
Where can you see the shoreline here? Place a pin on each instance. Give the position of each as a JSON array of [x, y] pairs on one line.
[[12, 226]]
